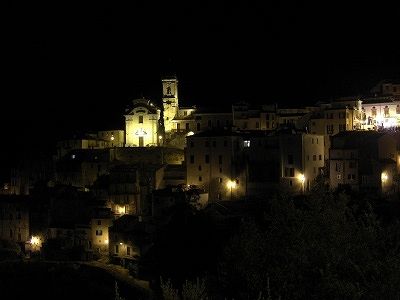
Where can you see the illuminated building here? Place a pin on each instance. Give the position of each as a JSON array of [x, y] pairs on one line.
[[142, 124], [231, 165], [363, 160]]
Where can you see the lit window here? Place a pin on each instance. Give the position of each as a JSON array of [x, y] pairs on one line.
[[246, 144], [99, 232], [140, 119]]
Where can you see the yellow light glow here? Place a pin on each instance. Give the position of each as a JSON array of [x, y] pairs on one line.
[[112, 137], [120, 243], [105, 241], [384, 177], [301, 177], [35, 241], [190, 133], [160, 137], [231, 184], [121, 209]]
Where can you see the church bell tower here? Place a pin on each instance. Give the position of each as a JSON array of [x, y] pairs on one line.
[[170, 101]]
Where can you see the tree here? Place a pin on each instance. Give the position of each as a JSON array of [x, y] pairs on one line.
[[321, 247]]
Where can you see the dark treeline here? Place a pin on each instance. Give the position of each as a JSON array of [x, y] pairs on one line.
[[328, 245]]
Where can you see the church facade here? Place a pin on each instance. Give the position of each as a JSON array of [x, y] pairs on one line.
[[142, 124]]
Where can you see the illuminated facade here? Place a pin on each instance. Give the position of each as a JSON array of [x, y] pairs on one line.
[[230, 165], [99, 224], [381, 113], [363, 160], [170, 101], [142, 124]]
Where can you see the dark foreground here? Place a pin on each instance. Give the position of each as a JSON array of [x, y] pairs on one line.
[[40, 280]]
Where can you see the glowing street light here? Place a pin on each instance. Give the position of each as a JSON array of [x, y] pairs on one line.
[[302, 179], [35, 241], [384, 177], [121, 210], [231, 184]]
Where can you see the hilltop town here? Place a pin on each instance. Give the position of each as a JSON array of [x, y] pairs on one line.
[[111, 194]]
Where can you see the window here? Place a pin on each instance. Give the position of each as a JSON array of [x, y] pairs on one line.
[[220, 170], [320, 157], [312, 141], [337, 167], [140, 119], [207, 143], [290, 159], [314, 157], [207, 158], [398, 109], [192, 159], [200, 178], [246, 144], [373, 111], [191, 144], [237, 181], [257, 125], [199, 167], [99, 232], [98, 222], [339, 176], [117, 249], [198, 126], [185, 113], [289, 172], [220, 159], [187, 126], [290, 182], [220, 180], [128, 250], [386, 111], [329, 129]]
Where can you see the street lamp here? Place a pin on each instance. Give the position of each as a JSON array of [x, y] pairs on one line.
[[302, 179], [384, 177], [231, 184]]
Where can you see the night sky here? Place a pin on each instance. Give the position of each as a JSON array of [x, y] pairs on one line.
[[70, 66]]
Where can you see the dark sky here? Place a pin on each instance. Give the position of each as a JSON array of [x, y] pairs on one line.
[[70, 65]]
